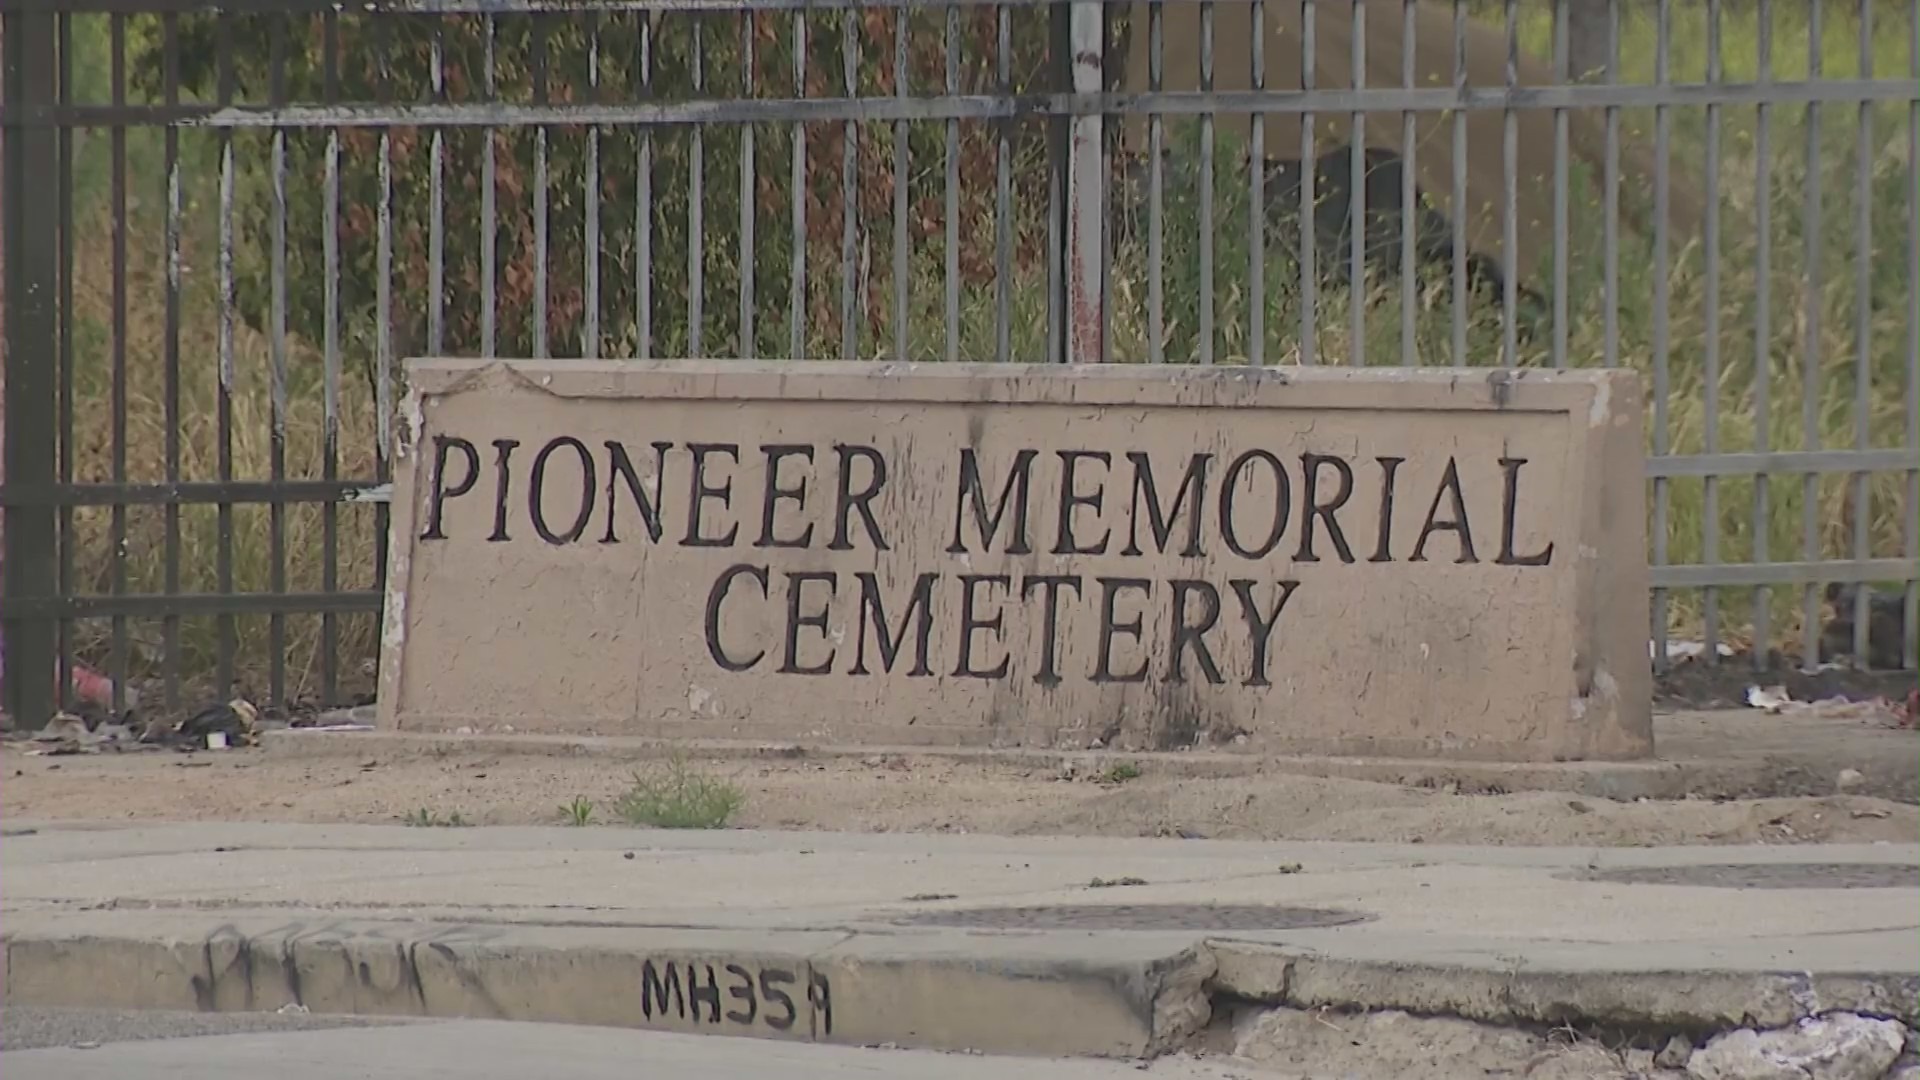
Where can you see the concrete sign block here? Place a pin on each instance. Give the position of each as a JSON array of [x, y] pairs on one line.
[[1375, 561]]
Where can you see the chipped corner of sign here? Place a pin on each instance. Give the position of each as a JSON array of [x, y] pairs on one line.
[[412, 423], [393, 616], [1600, 412], [1601, 691]]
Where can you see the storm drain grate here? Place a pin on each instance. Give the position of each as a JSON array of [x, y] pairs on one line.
[[1769, 876], [1136, 917]]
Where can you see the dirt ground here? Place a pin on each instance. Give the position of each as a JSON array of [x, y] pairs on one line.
[[898, 793], [1697, 685]]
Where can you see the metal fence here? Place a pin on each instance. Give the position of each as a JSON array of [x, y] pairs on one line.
[[226, 224]]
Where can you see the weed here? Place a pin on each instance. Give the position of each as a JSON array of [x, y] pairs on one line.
[[678, 796], [578, 812], [1120, 772], [1115, 883], [424, 818]]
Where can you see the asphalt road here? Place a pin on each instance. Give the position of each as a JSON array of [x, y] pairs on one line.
[[69, 1044], [23, 1028]]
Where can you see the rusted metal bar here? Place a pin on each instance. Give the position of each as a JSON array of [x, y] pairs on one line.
[[63, 531], [223, 406], [171, 442], [277, 346], [32, 269], [1205, 220], [1762, 325], [1811, 228], [1662, 378]]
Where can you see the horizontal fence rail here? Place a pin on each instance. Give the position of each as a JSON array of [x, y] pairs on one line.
[[227, 225]]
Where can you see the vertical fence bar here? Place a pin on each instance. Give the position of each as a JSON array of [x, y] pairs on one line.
[[489, 214], [1863, 337], [1059, 156], [1563, 70], [1156, 188], [590, 182], [1763, 333], [1057, 230], [1710, 356], [540, 223], [1662, 380], [122, 661], [797, 278], [643, 197], [436, 201], [849, 185], [1409, 192], [696, 200], [1309, 262], [1086, 190], [277, 368], [748, 347], [900, 166], [953, 189], [1910, 621], [1610, 197], [32, 266], [330, 338], [1510, 197], [1257, 195], [1110, 136], [1207, 137], [1459, 215], [383, 312], [1003, 194], [170, 552], [1810, 227], [223, 407], [1357, 199], [63, 182]]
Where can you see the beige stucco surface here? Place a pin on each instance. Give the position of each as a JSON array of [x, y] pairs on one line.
[[1527, 643]]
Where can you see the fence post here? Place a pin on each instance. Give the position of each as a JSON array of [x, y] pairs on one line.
[[1086, 191], [32, 268]]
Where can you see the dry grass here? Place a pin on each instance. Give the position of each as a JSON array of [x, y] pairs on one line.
[[1812, 342], [250, 426]]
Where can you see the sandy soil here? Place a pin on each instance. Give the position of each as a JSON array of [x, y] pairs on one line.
[[901, 794]]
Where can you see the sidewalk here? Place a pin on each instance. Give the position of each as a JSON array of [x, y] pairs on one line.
[[896, 938]]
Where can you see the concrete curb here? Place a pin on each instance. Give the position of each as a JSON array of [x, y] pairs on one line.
[[992, 995], [1688, 1000], [1111, 995], [1893, 777]]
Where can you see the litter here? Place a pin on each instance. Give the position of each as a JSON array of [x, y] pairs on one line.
[[1777, 701], [1678, 649], [236, 723]]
